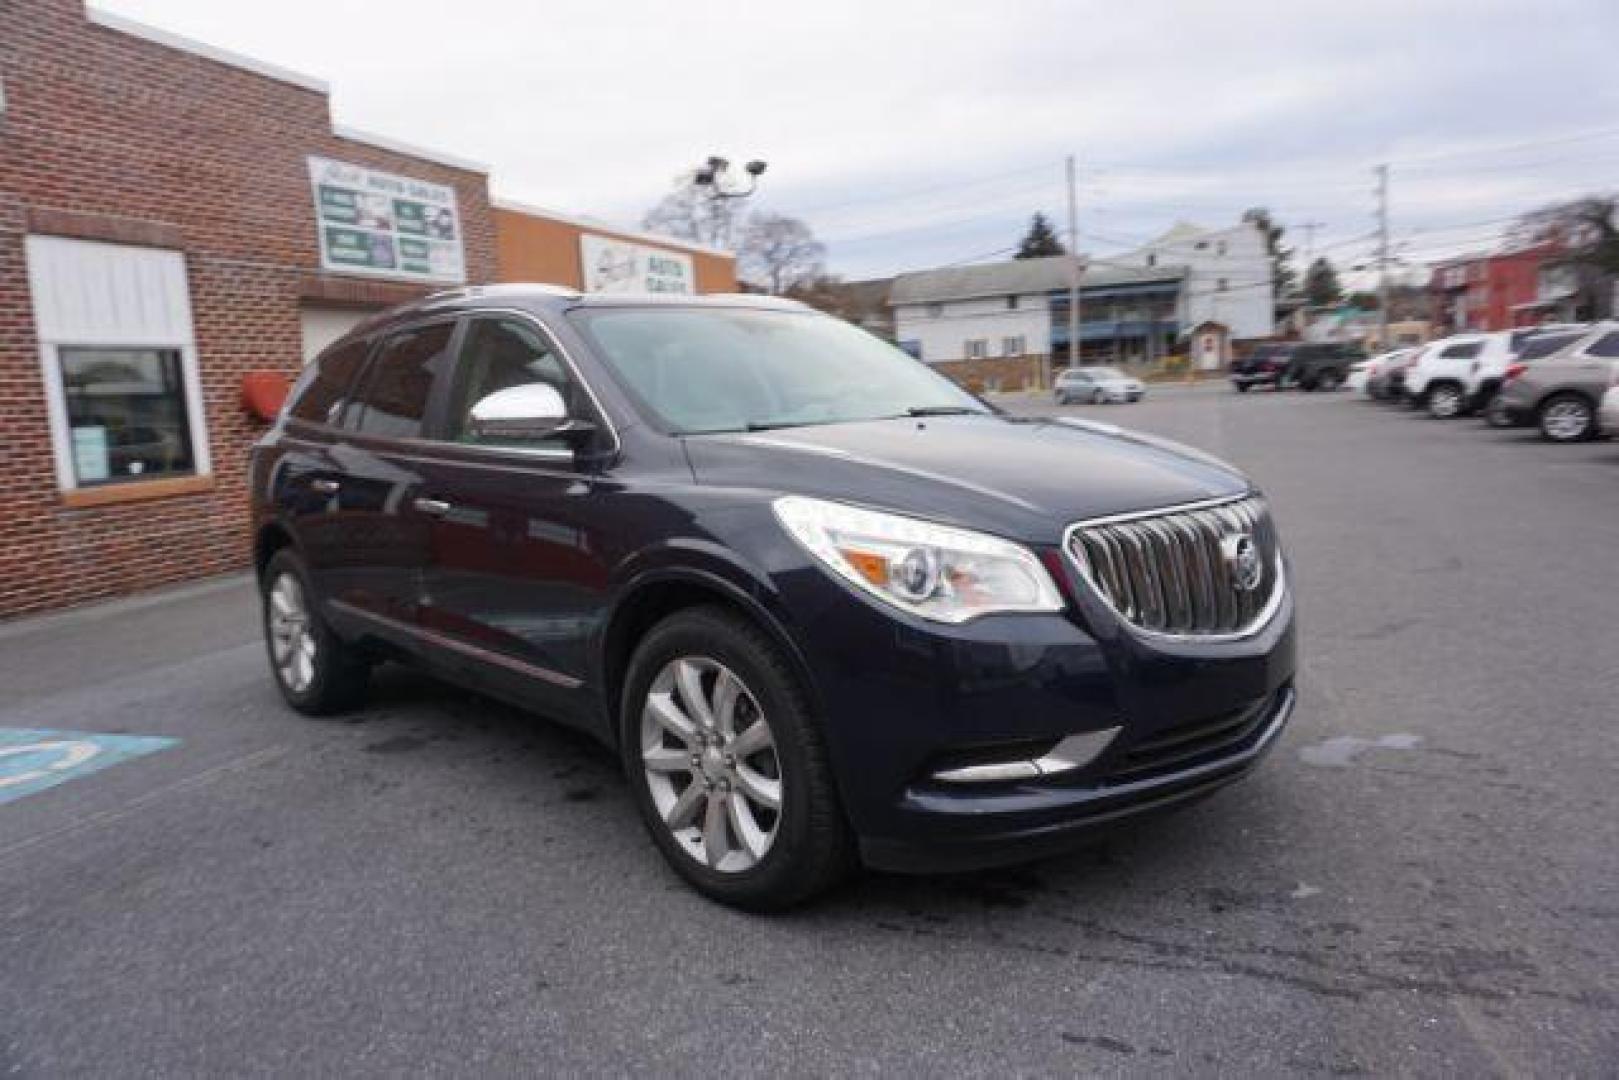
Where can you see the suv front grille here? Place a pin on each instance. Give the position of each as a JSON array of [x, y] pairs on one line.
[[1177, 571]]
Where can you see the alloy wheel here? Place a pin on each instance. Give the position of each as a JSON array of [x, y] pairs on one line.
[[292, 639], [1445, 402], [1566, 421], [711, 764]]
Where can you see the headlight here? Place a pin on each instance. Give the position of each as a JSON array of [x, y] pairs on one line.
[[940, 573]]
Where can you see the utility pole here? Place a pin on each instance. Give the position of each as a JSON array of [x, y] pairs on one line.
[[1074, 268], [1383, 258], [1309, 228]]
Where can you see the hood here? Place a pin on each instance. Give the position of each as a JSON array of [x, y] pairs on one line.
[[1025, 479]]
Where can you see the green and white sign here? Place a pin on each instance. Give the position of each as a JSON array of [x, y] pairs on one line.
[[620, 266], [383, 225]]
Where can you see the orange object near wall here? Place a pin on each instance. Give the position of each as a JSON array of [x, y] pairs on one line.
[[264, 392]]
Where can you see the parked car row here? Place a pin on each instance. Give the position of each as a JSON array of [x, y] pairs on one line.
[[1559, 378]]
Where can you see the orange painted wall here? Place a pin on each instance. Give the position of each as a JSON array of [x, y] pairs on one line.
[[533, 248]]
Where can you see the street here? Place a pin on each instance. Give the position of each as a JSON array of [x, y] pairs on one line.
[[1423, 878]]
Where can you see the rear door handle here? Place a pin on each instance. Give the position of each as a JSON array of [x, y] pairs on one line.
[[435, 507], [324, 487]]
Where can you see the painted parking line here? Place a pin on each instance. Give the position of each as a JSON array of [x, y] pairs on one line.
[[32, 760]]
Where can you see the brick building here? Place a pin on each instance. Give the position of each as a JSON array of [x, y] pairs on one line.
[[1487, 292], [174, 218]]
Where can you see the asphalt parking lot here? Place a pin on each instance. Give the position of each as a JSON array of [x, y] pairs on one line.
[[1424, 878]]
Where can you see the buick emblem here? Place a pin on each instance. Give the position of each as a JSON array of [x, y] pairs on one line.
[[1242, 559]]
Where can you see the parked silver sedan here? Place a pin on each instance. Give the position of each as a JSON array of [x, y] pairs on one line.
[[1096, 385]]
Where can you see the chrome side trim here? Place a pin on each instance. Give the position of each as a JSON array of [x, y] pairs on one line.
[[1071, 753], [477, 652]]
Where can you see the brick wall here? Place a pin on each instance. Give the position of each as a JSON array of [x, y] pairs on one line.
[[112, 136]]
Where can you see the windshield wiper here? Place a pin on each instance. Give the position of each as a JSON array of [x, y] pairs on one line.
[[942, 410]]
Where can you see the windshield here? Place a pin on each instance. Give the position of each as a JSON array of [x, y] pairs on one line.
[[698, 370]]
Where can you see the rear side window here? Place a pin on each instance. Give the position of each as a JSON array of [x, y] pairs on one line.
[[394, 401], [1464, 351], [1606, 346], [326, 391], [1545, 344]]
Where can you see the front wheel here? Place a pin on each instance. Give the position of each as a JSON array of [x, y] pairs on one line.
[[728, 766], [1098, 397], [1242, 387], [315, 670], [1567, 418], [1328, 381]]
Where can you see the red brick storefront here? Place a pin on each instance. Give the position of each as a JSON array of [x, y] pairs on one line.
[[107, 136]]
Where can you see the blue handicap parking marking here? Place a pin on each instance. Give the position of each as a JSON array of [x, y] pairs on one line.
[[32, 760]]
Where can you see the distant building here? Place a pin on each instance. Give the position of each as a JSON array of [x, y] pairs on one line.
[[1228, 276], [1488, 292], [999, 323]]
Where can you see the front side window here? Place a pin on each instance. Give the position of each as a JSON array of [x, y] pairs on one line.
[[323, 395], [127, 413], [498, 354], [394, 401], [696, 370]]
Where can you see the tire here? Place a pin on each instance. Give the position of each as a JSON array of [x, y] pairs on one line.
[[1567, 418], [1446, 400], [1242, 387], [1328, 381], [333, 675], [809, 844], [1098, 397], [1496, 415]]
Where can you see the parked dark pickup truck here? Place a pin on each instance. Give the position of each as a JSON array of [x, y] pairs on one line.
[[1310, 367]]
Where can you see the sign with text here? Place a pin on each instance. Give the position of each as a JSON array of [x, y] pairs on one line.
[[383, 225], [620, 266]]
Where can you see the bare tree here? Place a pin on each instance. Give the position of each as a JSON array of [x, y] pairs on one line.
[[690, 212], [780, 253], [1585, 234]]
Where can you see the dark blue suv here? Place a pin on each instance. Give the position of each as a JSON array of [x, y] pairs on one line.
[[828, 607]]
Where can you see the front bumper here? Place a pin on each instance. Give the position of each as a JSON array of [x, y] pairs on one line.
[[906, 701], [1518, 409]]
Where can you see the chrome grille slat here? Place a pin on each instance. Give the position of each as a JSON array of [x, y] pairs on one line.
[[1168, 572]]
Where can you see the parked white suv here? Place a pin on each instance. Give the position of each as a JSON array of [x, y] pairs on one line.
[[1439, 379]]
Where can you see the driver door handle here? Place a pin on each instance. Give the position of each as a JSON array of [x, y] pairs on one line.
[[433, 507]]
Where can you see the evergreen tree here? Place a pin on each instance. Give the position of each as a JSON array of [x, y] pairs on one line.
[[1321, 285], [1040, 241]]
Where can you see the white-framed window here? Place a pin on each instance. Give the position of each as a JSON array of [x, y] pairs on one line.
[[118, 357], [1011, 303], [977, 348], [1012, 345]]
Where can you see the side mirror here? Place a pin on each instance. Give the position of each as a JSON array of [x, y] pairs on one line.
[[533, 412]]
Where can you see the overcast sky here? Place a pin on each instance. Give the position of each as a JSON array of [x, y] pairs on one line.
[[911, 134]]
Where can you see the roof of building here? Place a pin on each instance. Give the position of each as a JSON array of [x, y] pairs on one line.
[[1017, 277]]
